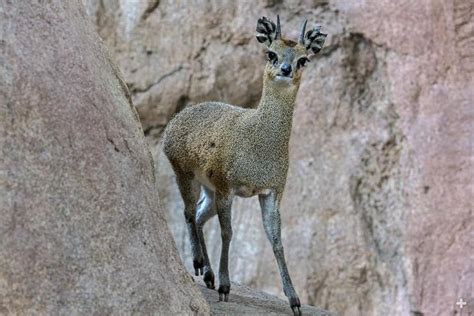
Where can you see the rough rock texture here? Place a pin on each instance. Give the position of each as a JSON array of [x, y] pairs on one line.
[[80, 231], [247, 301], [377, 213]]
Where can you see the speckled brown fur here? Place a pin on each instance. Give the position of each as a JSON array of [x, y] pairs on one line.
[[250, 146]]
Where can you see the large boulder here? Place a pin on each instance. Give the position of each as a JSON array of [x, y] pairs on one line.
[[377, 213], [81, 231]]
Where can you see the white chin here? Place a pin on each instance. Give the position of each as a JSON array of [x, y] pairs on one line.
[[284, 79]]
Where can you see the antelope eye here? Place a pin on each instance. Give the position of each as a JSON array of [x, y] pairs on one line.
[[272, 56], [302, 62]]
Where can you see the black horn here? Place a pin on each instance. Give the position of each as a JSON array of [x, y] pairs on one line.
[[278, 29], [303, 29]]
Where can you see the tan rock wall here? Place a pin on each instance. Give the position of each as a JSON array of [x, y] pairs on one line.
[[377, 213], [81, 231]]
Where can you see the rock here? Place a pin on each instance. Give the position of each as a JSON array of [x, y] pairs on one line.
[[210, 64], [81, 231], [377, 213], [247, 301]]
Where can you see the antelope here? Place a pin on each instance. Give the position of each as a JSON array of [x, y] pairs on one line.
[[219, 151]]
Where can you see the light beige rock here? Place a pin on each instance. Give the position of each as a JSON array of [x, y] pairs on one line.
[[377, 213], [81, 231]]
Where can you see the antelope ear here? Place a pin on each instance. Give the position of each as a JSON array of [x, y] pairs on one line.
[[314, 40], [266, 31]]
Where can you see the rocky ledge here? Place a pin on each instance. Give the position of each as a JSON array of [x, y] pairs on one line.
[[247, 301]]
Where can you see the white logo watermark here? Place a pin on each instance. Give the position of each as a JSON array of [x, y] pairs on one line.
[[461, 303]]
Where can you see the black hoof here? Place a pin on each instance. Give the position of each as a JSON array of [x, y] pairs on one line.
[[209, 279], [224, 293], [295, 306], [198, 265]]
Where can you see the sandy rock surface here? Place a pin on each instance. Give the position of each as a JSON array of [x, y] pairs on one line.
[[81, 231], [246, 301]]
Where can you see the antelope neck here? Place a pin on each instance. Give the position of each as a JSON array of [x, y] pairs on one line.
[[277, 103]]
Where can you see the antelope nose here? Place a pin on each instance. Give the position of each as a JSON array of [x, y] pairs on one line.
[[285, 69]]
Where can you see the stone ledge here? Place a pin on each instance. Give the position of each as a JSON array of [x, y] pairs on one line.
[[247, 301]]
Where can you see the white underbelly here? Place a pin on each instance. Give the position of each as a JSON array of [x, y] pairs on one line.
[[203, 179], [241, 190], [248, 191]]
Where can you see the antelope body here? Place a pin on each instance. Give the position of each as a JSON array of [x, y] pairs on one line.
[[218, 151]]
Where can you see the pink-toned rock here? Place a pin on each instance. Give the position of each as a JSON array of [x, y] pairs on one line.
[[377, 213], [81, 231]]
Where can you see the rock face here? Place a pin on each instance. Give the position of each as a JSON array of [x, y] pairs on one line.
[[377, 213], [81, 231]]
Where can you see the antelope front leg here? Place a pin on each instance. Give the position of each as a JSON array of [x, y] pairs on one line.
[[270, 204], [223, 207]]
